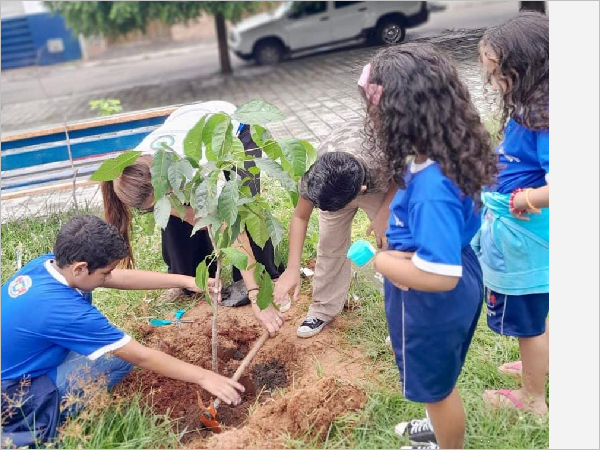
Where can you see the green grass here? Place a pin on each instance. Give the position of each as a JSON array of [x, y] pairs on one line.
[[129, 424], [123, 423]]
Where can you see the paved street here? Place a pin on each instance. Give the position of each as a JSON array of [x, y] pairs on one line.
[[41, 96], [317, 93]]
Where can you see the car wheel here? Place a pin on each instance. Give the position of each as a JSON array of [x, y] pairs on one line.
[[268, 53], [390, 32]]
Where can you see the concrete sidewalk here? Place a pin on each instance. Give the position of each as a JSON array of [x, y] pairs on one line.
[[316, 94], [145, 76]]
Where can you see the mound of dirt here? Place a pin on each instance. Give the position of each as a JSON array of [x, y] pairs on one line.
[[311, 370], [307, 412]]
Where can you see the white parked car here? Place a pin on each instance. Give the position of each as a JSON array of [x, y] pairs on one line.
[[297, 27]]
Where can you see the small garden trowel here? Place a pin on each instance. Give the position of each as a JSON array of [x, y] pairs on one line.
[[208, 414]]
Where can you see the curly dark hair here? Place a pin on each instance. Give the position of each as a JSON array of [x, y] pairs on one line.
[[521, 48], [425, 109]]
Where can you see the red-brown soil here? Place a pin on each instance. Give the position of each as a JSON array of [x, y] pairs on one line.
[[293, 386]]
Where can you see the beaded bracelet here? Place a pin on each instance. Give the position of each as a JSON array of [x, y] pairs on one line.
[[511, 203]]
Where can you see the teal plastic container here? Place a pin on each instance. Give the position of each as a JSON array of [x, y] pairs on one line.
[[361, 252]]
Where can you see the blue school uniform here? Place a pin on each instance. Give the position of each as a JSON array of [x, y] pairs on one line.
[[514, 254], [431, 331], [43, 319]]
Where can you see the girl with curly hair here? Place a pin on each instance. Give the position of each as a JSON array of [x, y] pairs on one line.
[[418, 108], [513, 245]]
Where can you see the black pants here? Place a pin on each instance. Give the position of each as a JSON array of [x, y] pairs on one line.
[[183, 253]]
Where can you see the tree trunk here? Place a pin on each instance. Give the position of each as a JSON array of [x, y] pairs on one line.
[[533, 6], [215, 307], [223, 46]]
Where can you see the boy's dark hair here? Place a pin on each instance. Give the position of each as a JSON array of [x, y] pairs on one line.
[[333, 181], [522, 46], [89, 239]]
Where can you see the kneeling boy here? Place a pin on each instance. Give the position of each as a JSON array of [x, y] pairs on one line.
[[52, 334]]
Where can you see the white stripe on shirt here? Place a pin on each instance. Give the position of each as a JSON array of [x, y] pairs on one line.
[[109, 348], [437, 268]]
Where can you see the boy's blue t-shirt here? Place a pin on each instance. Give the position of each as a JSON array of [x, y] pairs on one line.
[[43, 319], [524, 158], [433, 219]]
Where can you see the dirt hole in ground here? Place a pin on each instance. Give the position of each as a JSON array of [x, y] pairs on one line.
[[285, 362], [179, 399]]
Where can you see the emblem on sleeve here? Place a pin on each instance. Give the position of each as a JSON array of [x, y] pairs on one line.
[[19, 286]]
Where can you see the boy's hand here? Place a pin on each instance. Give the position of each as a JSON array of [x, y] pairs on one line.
[[289, 279], [379, 225], [214, 288], [269, 317], [222, 387]]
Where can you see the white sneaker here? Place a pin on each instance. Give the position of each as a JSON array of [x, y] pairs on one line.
[[310, 327]]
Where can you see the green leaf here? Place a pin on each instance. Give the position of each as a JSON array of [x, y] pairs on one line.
[[203, 199], [258, 112], [278, 257], [236, 228], [293, 197], [228, 199], [295, 155], [193, 163], [272, 149], [221, 138], [208, 133], [187, 193], [259, 135], [265, 294], [176, 204], [311, 153], [236, 258], [222, 236], [236, 145], [160, 170], [162, 212], [202, 278], [192, 144], [205, 222], [258, 229], [113, 168], [274, 170], [254, 170], [274, 227], [179, 171], [246, 191], [244, 201]]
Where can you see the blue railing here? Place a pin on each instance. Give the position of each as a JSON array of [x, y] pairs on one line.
[[42, 158]]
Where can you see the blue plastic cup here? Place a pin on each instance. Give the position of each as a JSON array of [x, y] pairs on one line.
[[361, 252]]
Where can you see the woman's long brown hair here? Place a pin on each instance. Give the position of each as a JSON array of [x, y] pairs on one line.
[[130, 190]]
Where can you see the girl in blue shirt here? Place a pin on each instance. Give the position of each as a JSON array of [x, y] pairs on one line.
[[513, 245], [418, 107]]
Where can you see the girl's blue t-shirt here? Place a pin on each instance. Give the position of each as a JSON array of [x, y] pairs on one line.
[[524, 158], [432, 218]]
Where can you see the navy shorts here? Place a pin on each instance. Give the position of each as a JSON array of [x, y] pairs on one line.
[[431, 332], [517, 315]]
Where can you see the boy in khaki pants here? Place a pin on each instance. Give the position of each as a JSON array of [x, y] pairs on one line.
[[346, 176]]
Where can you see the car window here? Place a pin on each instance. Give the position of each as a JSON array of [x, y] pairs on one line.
[[302, 9], [344, 4]]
